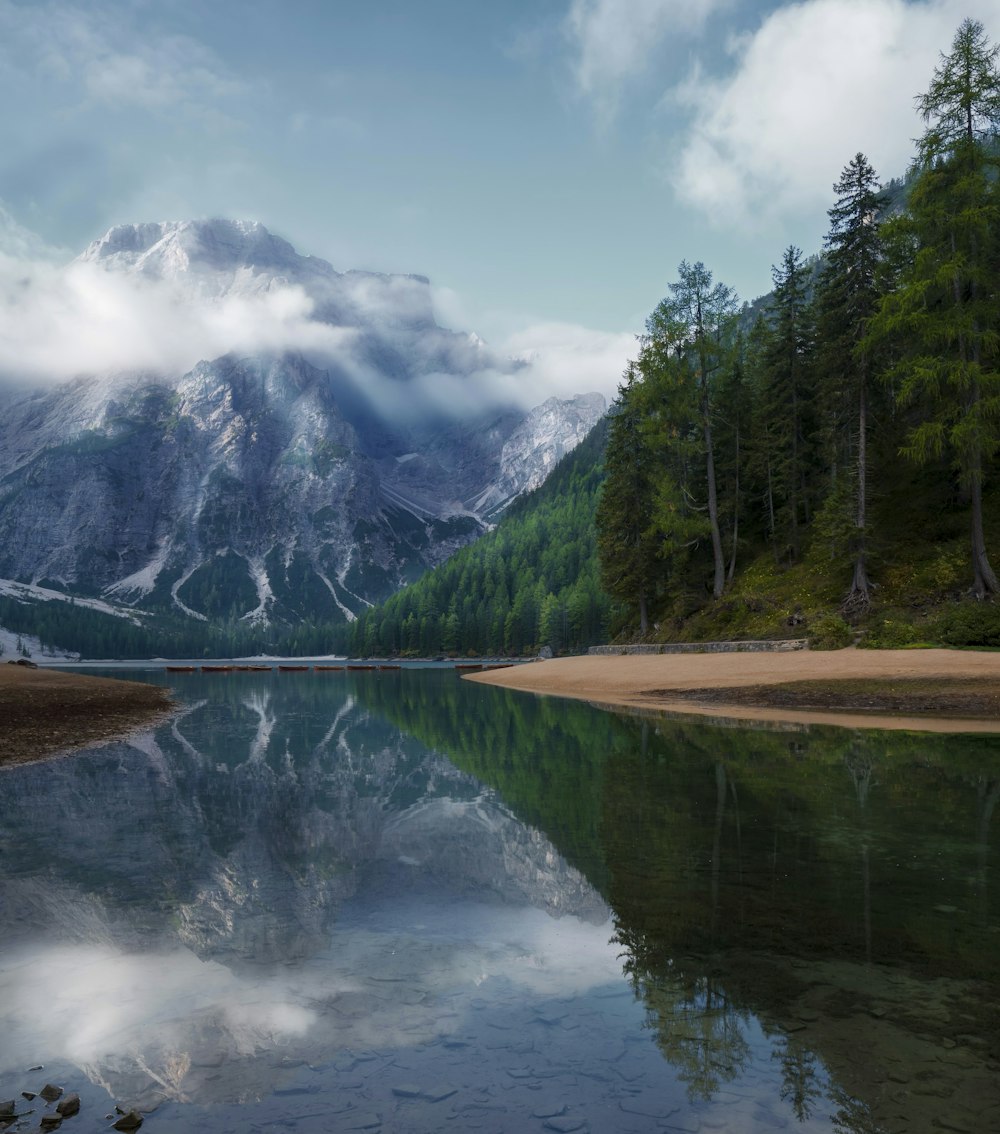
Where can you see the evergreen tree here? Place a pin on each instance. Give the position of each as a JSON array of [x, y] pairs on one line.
[[732, 437], [689, 343], [626, 539], [787, 397], [847, 300], [944, 316]]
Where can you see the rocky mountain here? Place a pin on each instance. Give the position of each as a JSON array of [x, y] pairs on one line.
[[310, 470]]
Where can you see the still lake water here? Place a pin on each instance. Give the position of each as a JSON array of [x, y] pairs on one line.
[[398, 901]]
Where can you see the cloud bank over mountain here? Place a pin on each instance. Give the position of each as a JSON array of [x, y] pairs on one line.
[[61, 320]]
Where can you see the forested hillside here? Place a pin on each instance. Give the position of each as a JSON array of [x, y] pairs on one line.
[[530, 582], [830, 466]]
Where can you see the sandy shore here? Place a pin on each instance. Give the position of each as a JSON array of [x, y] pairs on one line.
[[45, 712], [928, 690]]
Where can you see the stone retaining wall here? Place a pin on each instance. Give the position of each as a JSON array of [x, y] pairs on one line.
[[705, 647]]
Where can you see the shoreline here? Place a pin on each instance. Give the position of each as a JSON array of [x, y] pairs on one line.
[[914, 690], [48, 713]]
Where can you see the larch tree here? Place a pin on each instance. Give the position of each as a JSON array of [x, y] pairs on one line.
[[945, 311]]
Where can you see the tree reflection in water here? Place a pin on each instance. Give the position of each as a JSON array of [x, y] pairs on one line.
[[828, 886]]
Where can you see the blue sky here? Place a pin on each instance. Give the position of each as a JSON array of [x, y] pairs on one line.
[[547, 164]]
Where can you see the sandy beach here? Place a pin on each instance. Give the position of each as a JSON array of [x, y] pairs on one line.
[[45, 712], [926, 690]]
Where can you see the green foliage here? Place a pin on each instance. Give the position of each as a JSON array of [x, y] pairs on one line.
[[890, 631], [627, 540], [220, 588], [829, 632], [888, 348], [968, 624], [787, 396], [72, 626], [942, 319]]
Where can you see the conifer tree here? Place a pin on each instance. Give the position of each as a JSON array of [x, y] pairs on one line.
[[847, 300], [690, 340], [626, 541], [944, 315], [787, 396]]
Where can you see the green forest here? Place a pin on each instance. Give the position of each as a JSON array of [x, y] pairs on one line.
[[828, 466]]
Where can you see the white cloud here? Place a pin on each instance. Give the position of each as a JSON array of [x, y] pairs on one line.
[[566, 359], [614, 40], [814, 84], [56, 323], [94, 47], [546, 360]]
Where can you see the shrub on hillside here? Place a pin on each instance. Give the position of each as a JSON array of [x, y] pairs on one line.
[[890, 634], [829, 632], [969, 624]]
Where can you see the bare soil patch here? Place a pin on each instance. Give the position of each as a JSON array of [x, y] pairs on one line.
[[44, 712]]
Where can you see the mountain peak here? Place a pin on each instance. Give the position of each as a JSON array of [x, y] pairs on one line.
[[166, 249]]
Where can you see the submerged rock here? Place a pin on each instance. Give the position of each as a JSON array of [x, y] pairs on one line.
[[69, 1106]]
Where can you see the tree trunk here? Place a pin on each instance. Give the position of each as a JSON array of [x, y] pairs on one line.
[[770, 511], [718, 560], [793, 480], [984, 579], [736, 512], [859, 594], [719, 579], [643, 615]]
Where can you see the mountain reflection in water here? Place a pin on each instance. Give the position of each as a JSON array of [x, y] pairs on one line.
[[401, 901]]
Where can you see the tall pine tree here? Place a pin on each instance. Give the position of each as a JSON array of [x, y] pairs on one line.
[[692, 334], [847, 299], [787, 393], [626, 540]]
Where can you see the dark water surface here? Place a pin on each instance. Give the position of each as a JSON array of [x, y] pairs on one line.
[[398, 901]]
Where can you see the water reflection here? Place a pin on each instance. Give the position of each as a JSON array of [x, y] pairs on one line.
[[408, 900], [831, 888]]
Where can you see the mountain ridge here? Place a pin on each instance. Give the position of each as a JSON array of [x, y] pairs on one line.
[[271, 485]]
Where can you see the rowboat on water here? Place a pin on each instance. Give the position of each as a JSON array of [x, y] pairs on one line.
[[181, 668], [292, 668]]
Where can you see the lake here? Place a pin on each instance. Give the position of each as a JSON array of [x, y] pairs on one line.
[[397, 901]]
